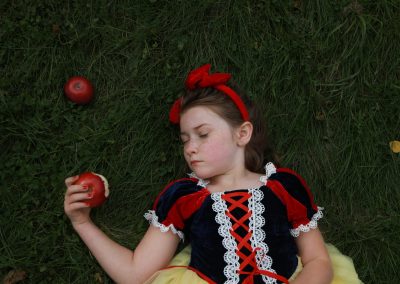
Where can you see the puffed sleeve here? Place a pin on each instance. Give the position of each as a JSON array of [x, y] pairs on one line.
[[303, 214], [172, 206]]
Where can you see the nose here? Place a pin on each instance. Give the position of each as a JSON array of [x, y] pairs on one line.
[[191, 147]]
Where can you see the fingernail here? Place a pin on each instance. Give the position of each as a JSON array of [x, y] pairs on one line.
[[90, 195], [85, 187]]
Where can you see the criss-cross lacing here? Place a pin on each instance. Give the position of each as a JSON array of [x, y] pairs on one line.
[[245, 251]]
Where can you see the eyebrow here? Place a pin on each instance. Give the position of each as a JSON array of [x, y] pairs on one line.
[[197, 127]]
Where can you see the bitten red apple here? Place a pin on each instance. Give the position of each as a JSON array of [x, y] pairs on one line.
[[98, 186], [79, 90]]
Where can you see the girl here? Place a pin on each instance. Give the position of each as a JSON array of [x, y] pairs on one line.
[[244, 224]]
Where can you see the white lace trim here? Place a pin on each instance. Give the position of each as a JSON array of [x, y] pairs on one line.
[[153, 219], [201, 182], [311, 225], [231, 258], [270, 169], [256, 222]]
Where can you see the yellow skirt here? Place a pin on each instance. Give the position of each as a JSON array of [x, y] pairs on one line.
[[343, 270]]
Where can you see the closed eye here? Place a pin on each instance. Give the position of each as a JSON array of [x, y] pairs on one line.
[[184, 138]]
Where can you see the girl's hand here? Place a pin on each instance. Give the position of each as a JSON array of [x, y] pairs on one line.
[[77, 210]]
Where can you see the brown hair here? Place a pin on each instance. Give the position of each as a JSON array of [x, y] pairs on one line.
[[258, 151]]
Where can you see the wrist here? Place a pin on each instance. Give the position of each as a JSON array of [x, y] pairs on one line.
[[80, 225]]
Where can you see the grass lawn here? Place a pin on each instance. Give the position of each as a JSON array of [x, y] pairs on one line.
[[326, 73]]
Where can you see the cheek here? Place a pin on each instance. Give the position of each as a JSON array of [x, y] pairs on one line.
[[185, 155], [217, 150]]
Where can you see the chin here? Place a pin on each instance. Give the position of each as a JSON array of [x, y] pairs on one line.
[[202, 174]]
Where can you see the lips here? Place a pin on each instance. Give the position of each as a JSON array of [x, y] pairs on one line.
[[194, 162]]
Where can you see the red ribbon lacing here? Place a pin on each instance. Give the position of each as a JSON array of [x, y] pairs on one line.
[[236, 201], [201, 78], [244, 242]]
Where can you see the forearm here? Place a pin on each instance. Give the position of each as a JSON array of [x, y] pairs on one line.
[[115, 259], [318, 271]]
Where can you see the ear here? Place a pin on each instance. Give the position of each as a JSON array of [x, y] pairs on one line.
[[243, 133]]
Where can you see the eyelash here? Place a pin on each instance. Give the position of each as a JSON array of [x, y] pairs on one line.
[[205, 135]]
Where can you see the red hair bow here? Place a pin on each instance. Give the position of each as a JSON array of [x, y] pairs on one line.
[[201, 78]]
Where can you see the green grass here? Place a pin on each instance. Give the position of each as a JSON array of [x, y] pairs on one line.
[[327, 74]]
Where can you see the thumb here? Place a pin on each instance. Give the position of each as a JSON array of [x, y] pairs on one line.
[[70, 180]]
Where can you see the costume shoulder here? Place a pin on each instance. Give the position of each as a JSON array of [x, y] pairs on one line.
[[174, 205], [294, 193]]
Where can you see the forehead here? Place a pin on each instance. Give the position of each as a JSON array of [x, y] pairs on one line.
[[199, 115]]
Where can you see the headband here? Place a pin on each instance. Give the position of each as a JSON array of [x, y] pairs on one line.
[[201, 78]]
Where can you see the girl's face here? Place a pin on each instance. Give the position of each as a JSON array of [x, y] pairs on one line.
[[209, 144]]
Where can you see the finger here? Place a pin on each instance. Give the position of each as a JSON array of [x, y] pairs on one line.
[[79, 197], [70, 180], [77, 206], [72, 189]]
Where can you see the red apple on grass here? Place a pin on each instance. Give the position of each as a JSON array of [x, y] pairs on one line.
[[98, 186], [79, 90]]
